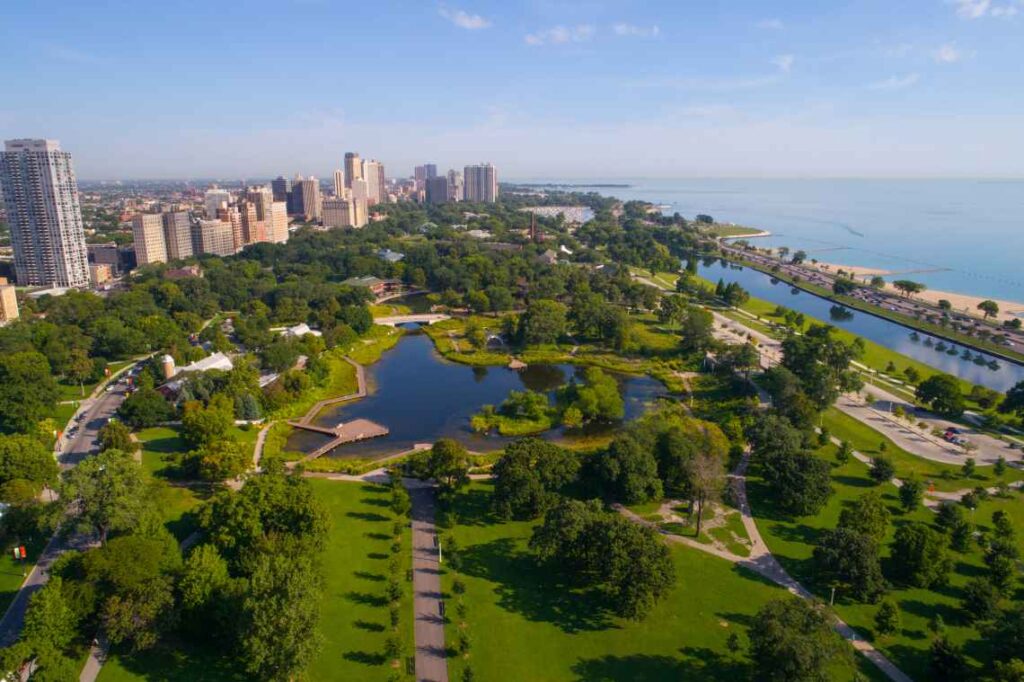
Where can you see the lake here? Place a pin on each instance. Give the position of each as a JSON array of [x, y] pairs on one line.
[[883, 332], [421, 397]]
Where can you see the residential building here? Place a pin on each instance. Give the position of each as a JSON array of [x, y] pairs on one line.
[[339, 183], [100, 274], [233, 217], [148, 237], [481, 183], [306, 199], [455, 190], [278, 231], [253, 229], [338, 212], [373, 174], [437, 190], [360, 202], [214, 200], [8, 302], [216, 237], [37, 182], [353, 168], [281, 187], [177, 235]]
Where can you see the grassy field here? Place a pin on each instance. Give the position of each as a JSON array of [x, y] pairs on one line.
[[732, 230], [792, 541], [354, 620], [945, 477], [524, 625]]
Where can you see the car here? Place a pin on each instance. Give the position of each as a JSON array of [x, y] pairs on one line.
[[953, 429]]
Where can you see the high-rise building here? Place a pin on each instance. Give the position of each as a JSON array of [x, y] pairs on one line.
[[429, 170], [233, 217], [353, 168], [41, 198], [148, 236], [437, 190], [339, 183], [338, 212], [216, 237], [253, 229], [481, 182], [8, 302], [373, 173], [455, 190], [216, 199], [177, 235], [278, 231], [360, 193], [306, 198], [281, 186]]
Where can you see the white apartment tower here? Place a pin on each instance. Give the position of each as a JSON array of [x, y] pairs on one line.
[[373, 174], [481, 183], [41, 196], [177, 235], [148, 234]]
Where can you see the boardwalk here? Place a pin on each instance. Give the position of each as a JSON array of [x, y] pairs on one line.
[[345, 432], [431, 663], [426, 318]]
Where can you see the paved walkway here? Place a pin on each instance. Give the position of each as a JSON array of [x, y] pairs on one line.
[[431, 655]]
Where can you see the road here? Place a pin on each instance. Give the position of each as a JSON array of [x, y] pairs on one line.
[[431, 663], [92, 415]]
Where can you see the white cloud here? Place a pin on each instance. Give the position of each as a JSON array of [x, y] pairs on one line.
[[463, 19], [784, 62], [896, 82], [947, 54], [560, 35], [634, 30], [771, 24], [976, 9]]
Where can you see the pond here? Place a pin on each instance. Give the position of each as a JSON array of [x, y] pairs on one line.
[[948, 358], [421, 397]]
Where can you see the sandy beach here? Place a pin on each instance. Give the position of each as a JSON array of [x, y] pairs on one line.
[[963, 303]]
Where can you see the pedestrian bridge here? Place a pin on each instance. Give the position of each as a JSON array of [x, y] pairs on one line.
[[426, 318]]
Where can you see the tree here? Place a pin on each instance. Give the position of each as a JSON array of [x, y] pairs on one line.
[[50, 622], [822, 362], [695, 329], [942, 393], [969, 467], [882, 469], [28, 392], [25, 463], [80, 368], [627, 471], [145, 407], [802, 482], [911, 494], [1008, 671], [448, 463], [114, 435], [107, 491], [219, 460], [202, 425], [953, 520], [946, 660], [847, 558], [1014, 400], [597, 398], [844, 452], [990, 308], [280, 613], [919, 556], [907, 287], [792, 641], [528, 476], [980, 601], [868, 516], [543, 322], [706, 474], [887, 618]]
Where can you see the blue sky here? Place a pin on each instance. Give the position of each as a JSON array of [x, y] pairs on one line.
[[542, 89]]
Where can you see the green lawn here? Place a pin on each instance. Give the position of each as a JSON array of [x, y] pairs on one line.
[[945, 477], [792, 541], [524, 625], [170, 662], [354, 619]]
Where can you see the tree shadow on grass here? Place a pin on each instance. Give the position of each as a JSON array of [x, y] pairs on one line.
[[366, 575], [366, 599], [696, 664], [474, 507], [371, 517], [377, 556], [536, 593], [368, 626], [374, 489], [375, 502], [166, 445], [377, 536], [854, 481], [365, 657]]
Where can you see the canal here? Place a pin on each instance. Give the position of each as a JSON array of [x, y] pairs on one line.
[[948, 357], [421, 397]]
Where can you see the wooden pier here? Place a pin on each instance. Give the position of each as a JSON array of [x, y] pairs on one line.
[[345, 432]]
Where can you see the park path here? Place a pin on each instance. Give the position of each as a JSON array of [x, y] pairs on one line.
[[431, 654], [762, 562]]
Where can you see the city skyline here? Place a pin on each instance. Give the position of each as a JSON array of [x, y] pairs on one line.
[[543, 90]]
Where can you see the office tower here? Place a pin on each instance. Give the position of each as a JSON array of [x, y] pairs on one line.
[[40, 193], [373, 173], [429, 170], [216, 199], [353, 168], [437, 190], [215, 236], [419, 176], [339, 183], [278, 229], [8, 302], [454, 185], [148, 235], [281, 186], [306, 198], [338, 212], [177, 235], [359, 197], [481, 183]]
